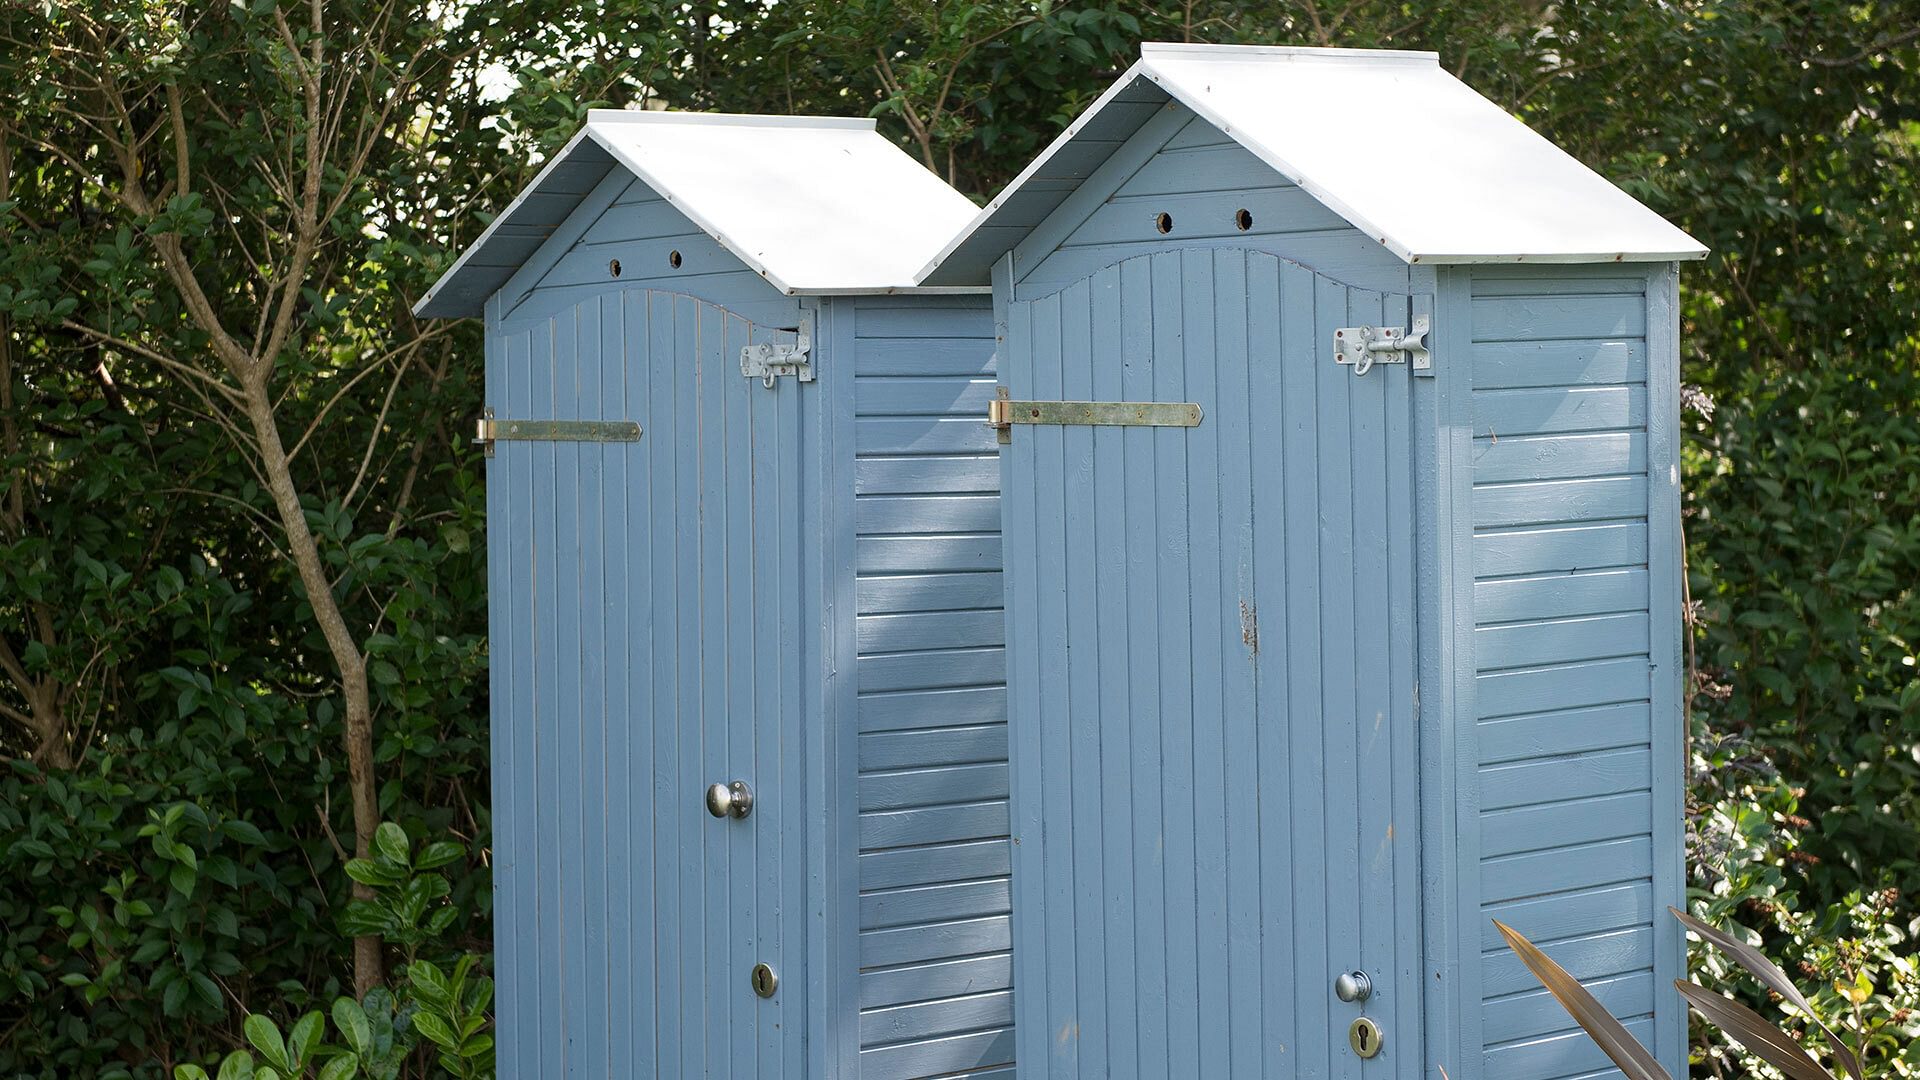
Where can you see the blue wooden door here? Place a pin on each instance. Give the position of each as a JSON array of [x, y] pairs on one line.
[[1211, 666], [646, 599]]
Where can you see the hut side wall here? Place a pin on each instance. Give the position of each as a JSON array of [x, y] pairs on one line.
[[935, 971], [1575, 715]]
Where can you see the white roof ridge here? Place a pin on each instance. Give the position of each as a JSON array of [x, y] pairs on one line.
[[1458, 180], [1152, 49], [700, 119]]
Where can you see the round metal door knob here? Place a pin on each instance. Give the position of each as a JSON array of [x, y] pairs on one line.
[[730, 800], [1353, 986]]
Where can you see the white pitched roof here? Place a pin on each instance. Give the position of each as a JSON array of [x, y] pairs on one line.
[[1409, 154], [813, 204]]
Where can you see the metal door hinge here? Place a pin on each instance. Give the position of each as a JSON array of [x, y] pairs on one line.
[[1365, 346], [489, 431], [765, 361], [1003, 413]]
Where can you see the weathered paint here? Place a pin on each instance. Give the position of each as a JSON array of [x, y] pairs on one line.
[[764, 586], [1176, 748]]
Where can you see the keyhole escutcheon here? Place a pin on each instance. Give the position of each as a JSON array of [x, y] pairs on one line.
[[1366, 1038]]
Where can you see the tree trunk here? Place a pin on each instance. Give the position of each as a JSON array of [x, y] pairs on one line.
[[368, 965]]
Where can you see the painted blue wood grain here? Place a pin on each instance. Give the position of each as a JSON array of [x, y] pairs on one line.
[[932, 778], [1565, 868], [1523, 1015], [1201, 601], [1565, 459], [912, 944], [1522, 364], [1565, 731], [1569, 1055], [882, 475], [937, 979], [1588, 956], [1551, 918]]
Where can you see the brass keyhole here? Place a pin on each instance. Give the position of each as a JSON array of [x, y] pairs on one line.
[[1365, 1038], [765, 982]]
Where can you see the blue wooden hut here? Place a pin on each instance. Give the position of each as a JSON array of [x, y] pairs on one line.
[[1342, 577], [749, 741]]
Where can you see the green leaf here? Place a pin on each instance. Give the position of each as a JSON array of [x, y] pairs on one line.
[[435, 1029], [182, 878], [351, 1018], [243, 831], [343, 1067], [238, 1066], [1773, 978], [304, 1038], [190, 1072], [391, 841], [265, 1038], [439, 853]]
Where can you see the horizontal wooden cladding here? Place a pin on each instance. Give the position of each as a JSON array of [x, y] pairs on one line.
[[950, 357], [1559, 457], [933, 825], [1496, 280], [892, 593], [946, 513], [875, 634], [932, 669], [900, 711], [1554, 502], [643, 220], [1591, 956], [966, 316], [969, 860], [1563, 686], [1529, 1016], [1568, 1055], [930, 554], [936, 941], [1274, 210], [921, 473], [928, 747], [1559, 317], [1583, 866], [1514, 365], [953, 1057], [1559, 549], [1559, 595], [1547, 919], [648, 260], [1560, 641], [1227, 167], [927, 1019], [936, 979], [933, 786], [1579, 776], [922, 395], [924, 435], [1567, 731], [1553, 410], [920, 904], [1575, 821]]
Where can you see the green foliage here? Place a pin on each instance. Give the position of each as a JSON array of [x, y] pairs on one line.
[[173, 810]]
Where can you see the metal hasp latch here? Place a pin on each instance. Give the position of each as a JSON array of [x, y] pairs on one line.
[[1365, 346], [1002, 413], [766, 361], [489, 431]]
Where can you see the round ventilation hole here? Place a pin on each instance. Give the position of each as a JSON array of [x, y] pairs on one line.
[[673, 259], [1243, 220], [613, 267], [1163, 221]]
